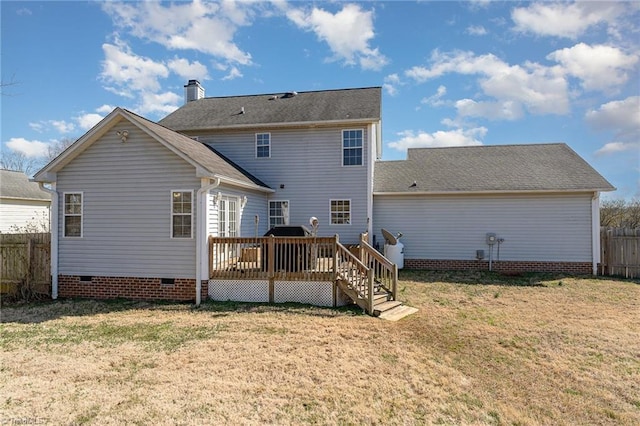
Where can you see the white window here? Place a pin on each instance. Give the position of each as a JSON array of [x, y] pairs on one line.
[[263, 145], [352, 147], [278, 213], [73, 214], [228, 217], [340, 212], [181, 214]]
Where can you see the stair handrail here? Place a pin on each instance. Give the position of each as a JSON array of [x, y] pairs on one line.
[[384, 270]]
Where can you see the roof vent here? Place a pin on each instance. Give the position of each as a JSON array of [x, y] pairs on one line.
[[290, 95], [193, 91]]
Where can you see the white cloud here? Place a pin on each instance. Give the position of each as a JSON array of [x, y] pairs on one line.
[[347, 32], [31, 149], [62, 126], [536, 88], [188, 70], [622, 119], [87, 121], [458, 137], [616, 114], [123, 68], [616, 147], [23, 11], [599, 67], [568, 20], [158, 103], [436, 98], [37, 126], [202, 26], [234, 73], [504, 110], [477, 30], [105, 109], [391, 83]]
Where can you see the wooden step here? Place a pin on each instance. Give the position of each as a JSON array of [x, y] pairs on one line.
[[379, 298], [385, 306], [397, 313]]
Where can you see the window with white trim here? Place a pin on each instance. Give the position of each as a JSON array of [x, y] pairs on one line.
[[263, 145], [73, 214], [352, 147], [340, 212], [278, 213], [181, 214]]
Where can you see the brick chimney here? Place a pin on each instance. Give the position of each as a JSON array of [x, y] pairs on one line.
[[193, 91]]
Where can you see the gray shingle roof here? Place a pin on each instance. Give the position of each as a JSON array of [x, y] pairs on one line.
[[199, 153], [16, 185], [277, 109], [500, 168]]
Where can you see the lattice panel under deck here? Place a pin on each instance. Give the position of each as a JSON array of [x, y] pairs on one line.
[[317, 293], [239, 290]]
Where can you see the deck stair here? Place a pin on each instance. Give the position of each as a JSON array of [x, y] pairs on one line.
[[370, 280]]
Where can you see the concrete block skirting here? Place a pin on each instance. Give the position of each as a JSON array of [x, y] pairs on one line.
[[95, 287], [509, 266]]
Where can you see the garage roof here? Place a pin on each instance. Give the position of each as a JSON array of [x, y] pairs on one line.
[[498, 168]]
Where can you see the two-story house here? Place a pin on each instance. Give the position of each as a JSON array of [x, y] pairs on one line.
[[134, 201]]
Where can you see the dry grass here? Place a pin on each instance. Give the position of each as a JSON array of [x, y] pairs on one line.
[[481, 350]]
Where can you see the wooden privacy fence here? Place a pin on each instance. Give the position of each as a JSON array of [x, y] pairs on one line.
[[25, 260], [620, 252]]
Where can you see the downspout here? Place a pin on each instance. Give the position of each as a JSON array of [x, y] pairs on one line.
[[595, 231], [53, 211], [201, 224]]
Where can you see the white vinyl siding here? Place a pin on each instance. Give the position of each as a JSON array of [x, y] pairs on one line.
[[72, 216], [181, 214], [263, 145], [126, 209], [340, 212], [256, 205], [550, 228], [17, 215], [306, 169]]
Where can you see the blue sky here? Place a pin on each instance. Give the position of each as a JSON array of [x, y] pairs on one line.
[[453, 73]]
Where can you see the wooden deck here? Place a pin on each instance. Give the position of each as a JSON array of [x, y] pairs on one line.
[[363, 274]]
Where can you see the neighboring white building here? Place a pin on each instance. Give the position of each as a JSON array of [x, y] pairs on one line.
[[22, 203]]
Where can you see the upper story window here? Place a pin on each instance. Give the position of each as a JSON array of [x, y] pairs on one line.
[[181, 214], [263, 145], [73, 214], [340, 212], [278, 213], [352, 147]]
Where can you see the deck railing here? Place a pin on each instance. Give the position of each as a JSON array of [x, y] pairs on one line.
[[282, 258], [303, 259]]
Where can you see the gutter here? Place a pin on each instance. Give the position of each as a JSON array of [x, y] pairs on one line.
[[200, 227], [499, 191], [54, 237]]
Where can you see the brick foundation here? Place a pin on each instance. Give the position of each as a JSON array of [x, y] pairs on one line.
[[577, 268], [182, 289]]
